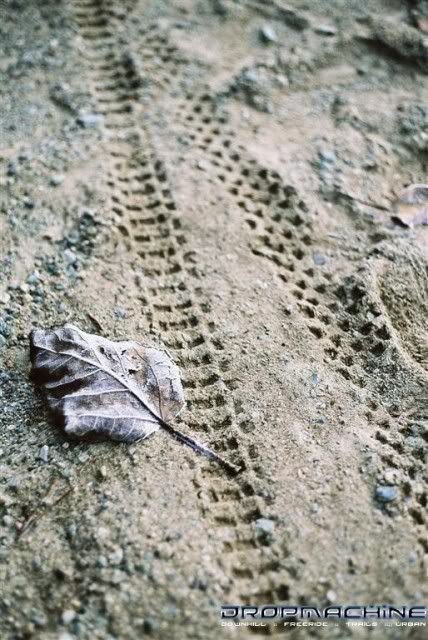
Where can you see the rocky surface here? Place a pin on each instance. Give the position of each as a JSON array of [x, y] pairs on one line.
[[216, 177]]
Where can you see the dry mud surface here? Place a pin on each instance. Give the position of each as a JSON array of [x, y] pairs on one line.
[[216, 177]]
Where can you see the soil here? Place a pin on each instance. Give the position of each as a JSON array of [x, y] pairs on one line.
[[216, 177]]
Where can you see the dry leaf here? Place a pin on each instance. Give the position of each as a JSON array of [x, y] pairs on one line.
[[120, 390], [412, 205]]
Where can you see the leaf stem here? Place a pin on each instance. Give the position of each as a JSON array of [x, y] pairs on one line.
[[199, 447]]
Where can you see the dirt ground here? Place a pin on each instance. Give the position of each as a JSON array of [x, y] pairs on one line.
[[216, 176]]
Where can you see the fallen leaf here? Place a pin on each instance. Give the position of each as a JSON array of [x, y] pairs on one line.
[[120, 390], [411, 206]]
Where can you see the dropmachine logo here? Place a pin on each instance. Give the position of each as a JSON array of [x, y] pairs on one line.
[[297, 615]]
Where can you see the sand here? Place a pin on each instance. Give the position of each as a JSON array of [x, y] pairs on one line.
[[216, 178]]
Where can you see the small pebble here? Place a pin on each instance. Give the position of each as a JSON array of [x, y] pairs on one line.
[[120, 313], [4, 329], [73, 237], [117, 576], [250, 76], [265, 525], [71, 531], [70, 257], [27, 202], [102, 562], [326, 30], [102, 473], [327, 155], [411, 441], [7, 521], [44, 453], [386, 493], [116, 557], [103, 533], [11, 169], [39, 618], [88, 216], [33, 279], [267, 34], [90, 120], [56, 179], [5, 501], [68, 616], [13, 483], [319, 259]]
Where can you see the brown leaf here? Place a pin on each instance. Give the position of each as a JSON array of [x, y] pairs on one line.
[[120, 390], [412, 205]]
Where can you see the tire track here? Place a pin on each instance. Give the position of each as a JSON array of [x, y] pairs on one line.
[[176, 308], [345, 315]]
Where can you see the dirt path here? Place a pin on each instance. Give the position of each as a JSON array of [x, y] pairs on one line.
[[216, 177]]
